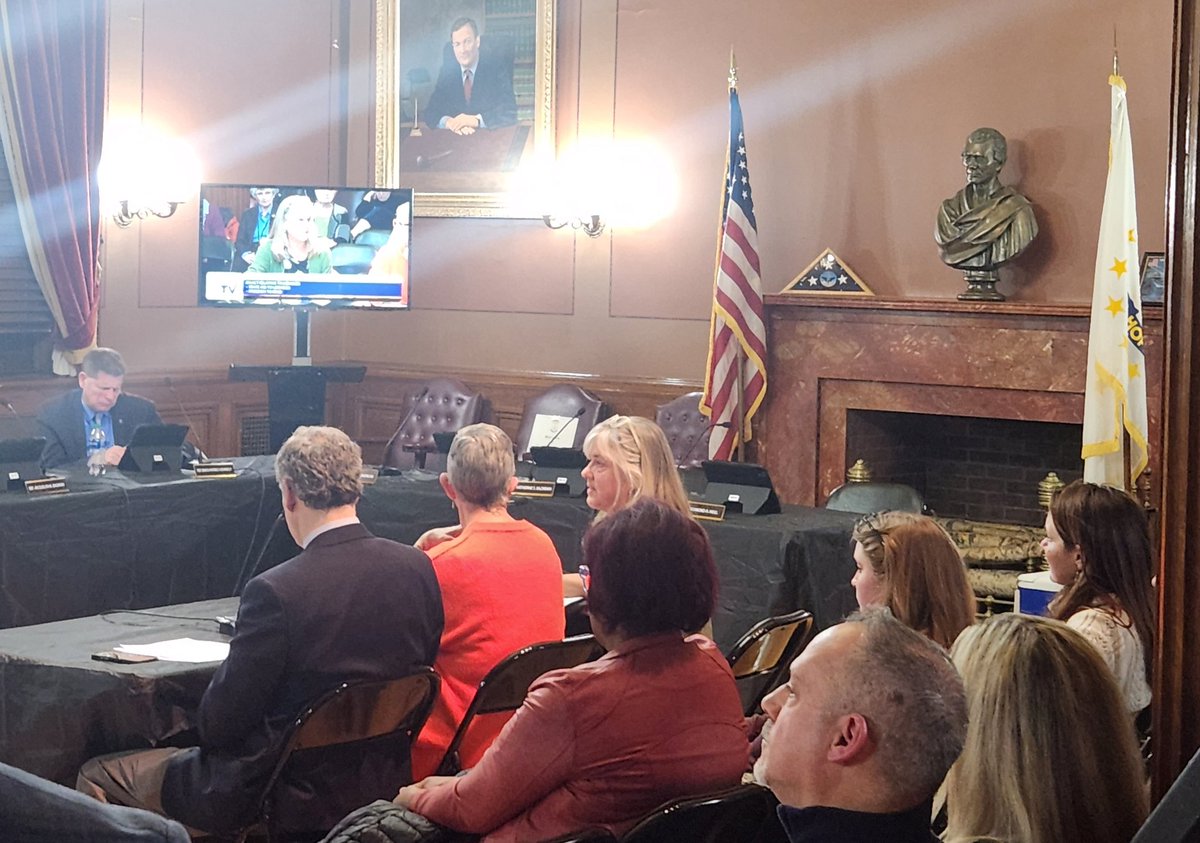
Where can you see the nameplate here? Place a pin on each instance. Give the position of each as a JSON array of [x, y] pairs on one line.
[[707, 511], [46, 486], [214, 469], [368, 476], [535, 488]]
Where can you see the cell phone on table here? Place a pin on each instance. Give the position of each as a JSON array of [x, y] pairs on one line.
[[122, 658]]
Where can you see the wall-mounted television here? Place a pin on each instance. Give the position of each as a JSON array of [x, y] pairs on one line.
[[306, 246]]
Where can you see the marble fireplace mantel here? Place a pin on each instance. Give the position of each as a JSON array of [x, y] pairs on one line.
[[828, 356]]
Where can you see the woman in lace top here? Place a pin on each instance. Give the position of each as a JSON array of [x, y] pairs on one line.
[[1098, 548]]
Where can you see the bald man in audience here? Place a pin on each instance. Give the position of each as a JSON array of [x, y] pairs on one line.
[[861, 736], [349, 607]]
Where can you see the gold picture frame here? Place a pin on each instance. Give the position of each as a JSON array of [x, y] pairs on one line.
[[453, 175]]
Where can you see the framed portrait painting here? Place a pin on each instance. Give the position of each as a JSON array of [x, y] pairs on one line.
[[464, 101]]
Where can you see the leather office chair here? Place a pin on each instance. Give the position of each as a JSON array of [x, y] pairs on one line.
[[351, 258], [687, 430], [875, 497], [761, 658], [345, 729], [560, 400], [742, 814], [440, 405], [505, 686]]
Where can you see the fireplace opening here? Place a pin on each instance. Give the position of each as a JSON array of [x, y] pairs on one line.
[[980, 469]]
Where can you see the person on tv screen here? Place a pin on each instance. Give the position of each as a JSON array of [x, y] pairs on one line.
[[254, 225], [474, 91], [328, 215], [376, 210], [392, 257], [294, 244]]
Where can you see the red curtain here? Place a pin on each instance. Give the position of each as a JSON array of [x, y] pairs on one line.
[[54, 57]]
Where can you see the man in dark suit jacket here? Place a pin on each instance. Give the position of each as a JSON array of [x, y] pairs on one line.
[[350, 606], [98, 411], [474, 91]]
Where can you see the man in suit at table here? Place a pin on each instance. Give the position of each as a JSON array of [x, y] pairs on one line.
[[350, 607], [474, 91], [97, 412]]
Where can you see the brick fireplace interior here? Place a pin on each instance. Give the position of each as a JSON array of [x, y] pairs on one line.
[[982, 469], [971, 403]]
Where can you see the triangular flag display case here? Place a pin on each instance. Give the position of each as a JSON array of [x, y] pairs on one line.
[[828, 275]]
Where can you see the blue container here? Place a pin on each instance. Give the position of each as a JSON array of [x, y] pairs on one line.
[[1034, 593]]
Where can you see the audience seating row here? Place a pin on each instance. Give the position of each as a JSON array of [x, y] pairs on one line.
[[358, 714]]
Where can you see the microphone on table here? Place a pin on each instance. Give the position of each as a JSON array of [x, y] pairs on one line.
[[700, 434], [248, 574], [558, 432], [200, 455], [8, 405], [425, 160]]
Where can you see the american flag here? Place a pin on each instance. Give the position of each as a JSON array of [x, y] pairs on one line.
[[735, 380]]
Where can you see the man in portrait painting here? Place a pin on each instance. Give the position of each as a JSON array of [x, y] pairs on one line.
[[474, 89]]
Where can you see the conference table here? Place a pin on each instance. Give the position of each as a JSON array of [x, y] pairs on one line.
[[125, 542], [78, 570]]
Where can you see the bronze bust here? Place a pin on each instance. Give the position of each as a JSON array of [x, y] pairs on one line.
[[986, 224]]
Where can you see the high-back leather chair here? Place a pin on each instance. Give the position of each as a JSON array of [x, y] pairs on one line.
[[561, 400], [687, 430], [440, 405]]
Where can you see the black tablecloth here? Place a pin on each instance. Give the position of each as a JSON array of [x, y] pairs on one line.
[[124, 542], [58, 707], [120, 542]]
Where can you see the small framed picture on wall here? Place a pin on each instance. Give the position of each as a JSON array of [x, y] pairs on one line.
[[1154, 277]]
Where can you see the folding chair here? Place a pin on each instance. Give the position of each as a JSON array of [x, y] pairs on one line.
[[760, 659], [505, 686], [742, 814], [358, 718]]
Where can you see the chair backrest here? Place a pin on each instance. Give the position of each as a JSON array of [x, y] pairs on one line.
[[216, 253], [373, 237], [761, 658], [505, 685], [440, 405], [875, 497], [742, 814], [687, 430], [354, 713], [352, 258], [560, 400]]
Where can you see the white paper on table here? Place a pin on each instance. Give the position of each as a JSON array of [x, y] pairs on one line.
[[180, 650], [547, 427]]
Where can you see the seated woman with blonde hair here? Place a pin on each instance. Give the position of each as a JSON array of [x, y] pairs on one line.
[[629, 458], [294, 244], [1050, 755], [909, 564]]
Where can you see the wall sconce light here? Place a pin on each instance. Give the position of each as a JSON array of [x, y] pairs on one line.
[[145, 173], [126, 212], [589, 225]]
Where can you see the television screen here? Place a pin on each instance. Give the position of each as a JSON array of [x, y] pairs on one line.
[[304, 246]]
